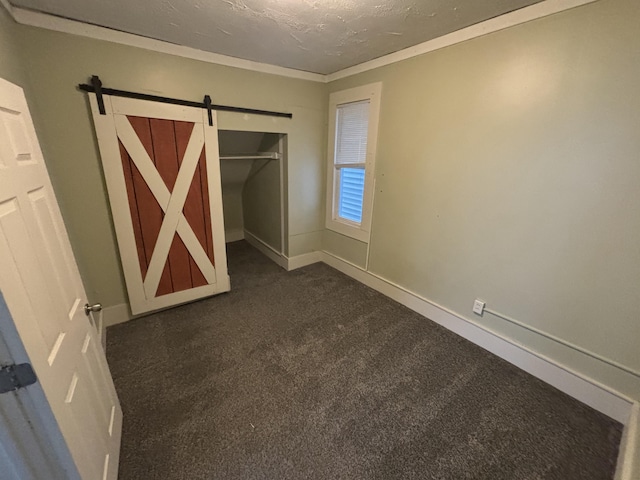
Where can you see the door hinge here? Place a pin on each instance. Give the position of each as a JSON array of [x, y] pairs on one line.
[[13, 377]]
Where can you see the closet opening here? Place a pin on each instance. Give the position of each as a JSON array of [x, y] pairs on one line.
[[253, 172]]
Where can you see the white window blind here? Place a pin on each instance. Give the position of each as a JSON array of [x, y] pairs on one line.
[[351, 194], [352, 124]]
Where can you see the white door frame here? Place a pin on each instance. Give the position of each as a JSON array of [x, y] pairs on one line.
[[31, 444]]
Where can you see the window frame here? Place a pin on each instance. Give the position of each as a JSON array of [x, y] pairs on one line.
[[361, 231]]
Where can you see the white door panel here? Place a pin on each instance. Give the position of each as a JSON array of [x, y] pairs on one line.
[[45, 297]]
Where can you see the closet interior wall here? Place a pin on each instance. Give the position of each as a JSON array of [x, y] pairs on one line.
[[253, 174]]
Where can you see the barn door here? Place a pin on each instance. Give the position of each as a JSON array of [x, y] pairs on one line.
[[162, 170], [45, 297]]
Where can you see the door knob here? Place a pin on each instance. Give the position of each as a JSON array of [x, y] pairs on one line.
[[96, 307]]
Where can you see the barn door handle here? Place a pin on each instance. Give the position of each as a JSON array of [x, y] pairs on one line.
[[96, 307]]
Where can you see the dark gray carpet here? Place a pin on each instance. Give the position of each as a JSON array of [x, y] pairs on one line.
[[311, 375]]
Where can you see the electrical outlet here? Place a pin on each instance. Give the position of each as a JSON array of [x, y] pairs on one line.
[[478, 307]]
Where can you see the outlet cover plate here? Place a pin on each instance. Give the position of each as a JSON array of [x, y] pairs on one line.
[[478, 307]]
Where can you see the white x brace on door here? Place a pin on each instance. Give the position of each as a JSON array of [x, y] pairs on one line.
[[162, 169]]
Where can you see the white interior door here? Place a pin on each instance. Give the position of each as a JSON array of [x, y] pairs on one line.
[[162, 170], [44, 294]]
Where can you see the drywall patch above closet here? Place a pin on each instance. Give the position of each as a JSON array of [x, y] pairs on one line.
[[321, 36]]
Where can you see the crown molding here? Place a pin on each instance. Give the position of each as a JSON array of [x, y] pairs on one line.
[[8, 7], [517, 17], [64, 25]]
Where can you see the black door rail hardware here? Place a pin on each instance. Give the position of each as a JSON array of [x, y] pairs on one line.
[[97, 88]]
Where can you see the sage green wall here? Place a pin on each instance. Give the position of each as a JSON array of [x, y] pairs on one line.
[[11, 68], [233, 174], [57, 62], [508, 169], [352, 250], [261, 196]]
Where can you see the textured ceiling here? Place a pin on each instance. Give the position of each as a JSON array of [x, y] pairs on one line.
[[320, 36]]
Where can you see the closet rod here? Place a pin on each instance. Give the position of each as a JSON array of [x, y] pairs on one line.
[[97, 88], [249, 156]]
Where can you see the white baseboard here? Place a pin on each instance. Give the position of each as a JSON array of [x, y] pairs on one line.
[[628, 467], [303, 260], [266, 249], [288, 263], [115, 314], [588, 391], [233, 235]]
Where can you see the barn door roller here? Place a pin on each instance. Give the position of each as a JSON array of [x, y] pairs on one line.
[[97, 88]]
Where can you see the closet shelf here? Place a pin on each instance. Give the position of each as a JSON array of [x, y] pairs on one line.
[[252, 156]]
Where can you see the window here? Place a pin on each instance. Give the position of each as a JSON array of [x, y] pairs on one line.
[[353, 128]]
